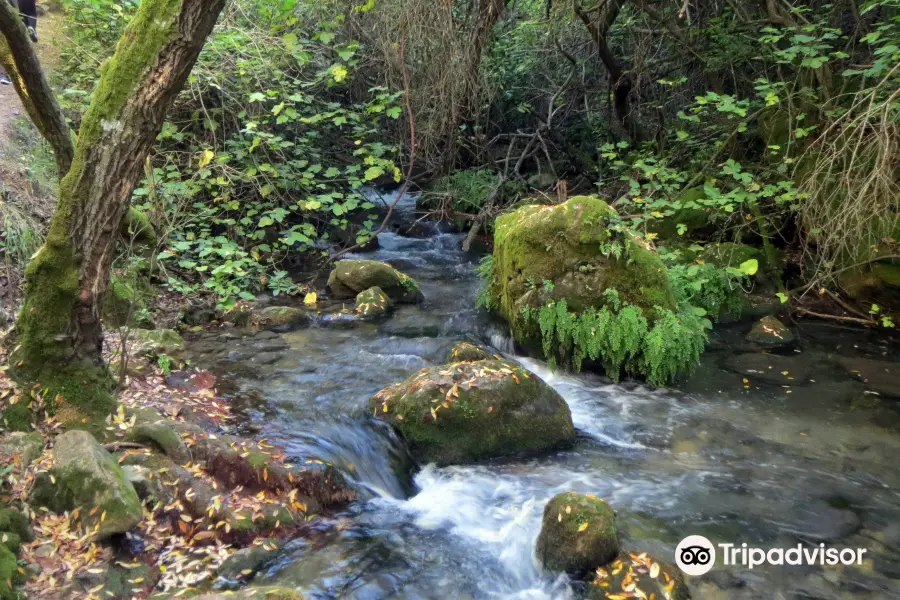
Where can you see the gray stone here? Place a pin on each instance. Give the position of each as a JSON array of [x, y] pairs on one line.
[[769, 332]]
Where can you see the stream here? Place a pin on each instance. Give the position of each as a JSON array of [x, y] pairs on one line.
[[806, 455]]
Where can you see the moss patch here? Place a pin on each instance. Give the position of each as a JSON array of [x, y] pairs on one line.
[[372, 303], [350, 277], [466, 352]]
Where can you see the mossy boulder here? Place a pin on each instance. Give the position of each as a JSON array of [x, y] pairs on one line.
[[163, 436], [22, 448], [689, 218], [153, 343], [578, 533], [731, 254], [244, 563], [877, 283], [14, 522], [350, 277], [466, 352], [250, 593], [372, 303], [553, 253], [281, 318], [85, 476], [127, 302], [637, 575], [471, 411], [769, 332]]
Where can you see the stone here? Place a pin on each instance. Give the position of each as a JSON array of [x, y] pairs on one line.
[[769, 332], [578, 534], [878, 375], [244, 563], [350, 277], [465, 412], [21, 447], [164, 437], [153, 343], [819, 522], [632, 571], [771, 368], [466, 352], [85, 476], [372, 303], [281, 318]]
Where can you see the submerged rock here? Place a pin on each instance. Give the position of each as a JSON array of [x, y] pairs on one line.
[[244, 563], [282, 318], [878, 375], [637, 575], [578, 534], [85, 476], [769, 332], [471, 411], [553, 253], [466, 352], [350, 277], [372, 303], [771, 368]]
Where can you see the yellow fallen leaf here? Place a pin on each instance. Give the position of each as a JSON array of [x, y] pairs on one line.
[[582, 527]]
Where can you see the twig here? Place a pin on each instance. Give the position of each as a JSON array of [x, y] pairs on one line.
[[865, 322], [412, 148]]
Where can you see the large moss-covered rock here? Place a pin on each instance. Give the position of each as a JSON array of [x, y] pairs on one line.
[[85, 476], [163, 436], [552, 253], [136, 225], [372, 303], [637, 575], [153, 343], [350, 277], [730, 254], [21, 448], [471, 411], [578, 533], [877, 283]]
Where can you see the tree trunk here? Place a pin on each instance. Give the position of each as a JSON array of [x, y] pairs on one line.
[[60, 337]]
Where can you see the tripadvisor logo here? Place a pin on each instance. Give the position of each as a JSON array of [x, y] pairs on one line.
[[696, 555]]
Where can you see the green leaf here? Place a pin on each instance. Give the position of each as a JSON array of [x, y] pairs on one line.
[[749, 267], [373, 173], [782, 296]]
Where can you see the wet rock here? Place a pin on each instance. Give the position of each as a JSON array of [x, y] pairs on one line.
[[21, 448], [198, 315], [162, 436], [466, 412], [690, 219], [244, 563], [552, 253], [372, 303], [265, 358], [350, 277], [466, 352], [85, 476], [769, 332], [878, 375], [771, 368], [281, 318], [630, 572], [251, 593], [153, 343], [578, 534], [817, 522]]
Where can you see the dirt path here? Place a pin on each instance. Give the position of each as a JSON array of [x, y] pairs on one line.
[[50, 40]]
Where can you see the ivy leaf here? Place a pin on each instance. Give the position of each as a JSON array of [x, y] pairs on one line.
[[394, 112], [373, 173], [277, 108], [257, 97]]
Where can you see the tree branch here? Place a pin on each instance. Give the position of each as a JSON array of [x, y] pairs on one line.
[[18, 57]]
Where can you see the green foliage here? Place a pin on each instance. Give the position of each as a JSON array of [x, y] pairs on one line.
[[485, 272], [469, 188], [622, 339], [164, 361], [711, 289]]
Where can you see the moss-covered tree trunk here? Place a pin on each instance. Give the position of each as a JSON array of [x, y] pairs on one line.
[[60, 336]]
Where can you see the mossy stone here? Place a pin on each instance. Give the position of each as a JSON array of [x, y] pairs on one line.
[[164, 437], [137, 224], [688, 213], [252, 593], [18, 417], [637, 575], [9, 574], [769, 332], [280, 317], [153, 343], [247, 561], [466, 352], [350, 277], [578, 534], [470, 411], [85, 476], [14, 521], [372, 303], [126, 303], [553, 253]]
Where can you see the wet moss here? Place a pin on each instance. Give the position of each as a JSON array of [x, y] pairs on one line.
[[578, 534]]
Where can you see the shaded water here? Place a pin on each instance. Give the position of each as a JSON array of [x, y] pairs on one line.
[[765, 464]]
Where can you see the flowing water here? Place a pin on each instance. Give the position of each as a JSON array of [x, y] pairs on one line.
[[769, 464]]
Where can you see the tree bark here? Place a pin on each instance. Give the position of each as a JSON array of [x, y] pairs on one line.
[[18, 58], [60, 336], [620, 81]]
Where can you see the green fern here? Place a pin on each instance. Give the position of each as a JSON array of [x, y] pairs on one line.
[[485, 271]]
